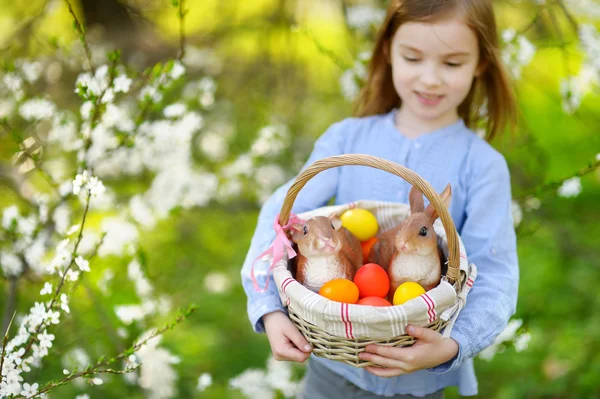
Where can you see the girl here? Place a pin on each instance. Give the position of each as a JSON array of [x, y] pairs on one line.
[[436, 66]]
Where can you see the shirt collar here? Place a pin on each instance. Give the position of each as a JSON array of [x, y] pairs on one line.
[[389, 120]]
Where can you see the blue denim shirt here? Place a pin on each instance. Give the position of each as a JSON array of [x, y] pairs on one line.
[[480, 208]]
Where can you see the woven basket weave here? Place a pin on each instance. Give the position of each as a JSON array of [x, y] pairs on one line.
[[341, 331]]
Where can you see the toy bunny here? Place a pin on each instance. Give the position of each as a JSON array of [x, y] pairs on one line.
[[409, 251], [324, 252]]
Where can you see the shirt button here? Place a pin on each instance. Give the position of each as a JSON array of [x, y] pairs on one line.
[[417, 145], [494, 251]]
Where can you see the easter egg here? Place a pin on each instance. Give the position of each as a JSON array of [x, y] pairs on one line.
[[373, 301], [407, 291], [360, 222], [372, 280], [340, 290], [366, 247]]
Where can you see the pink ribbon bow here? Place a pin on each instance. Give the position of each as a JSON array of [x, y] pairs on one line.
[[280, 244]]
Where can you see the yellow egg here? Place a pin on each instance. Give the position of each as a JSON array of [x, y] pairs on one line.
[[407, 291], [360, 222]]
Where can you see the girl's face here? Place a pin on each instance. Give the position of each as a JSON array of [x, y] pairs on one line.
[[433, 66]]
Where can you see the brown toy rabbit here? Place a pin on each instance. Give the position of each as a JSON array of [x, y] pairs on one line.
[[409, 251], [324, 253]]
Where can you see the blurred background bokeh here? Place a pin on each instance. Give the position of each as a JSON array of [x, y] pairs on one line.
[[188, 150]]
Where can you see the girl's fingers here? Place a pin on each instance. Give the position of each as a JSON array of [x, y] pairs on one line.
[[383, 361], [287, 351], [404, 355], [296, 337]]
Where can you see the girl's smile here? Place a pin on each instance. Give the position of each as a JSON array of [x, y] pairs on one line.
[[429, 100]]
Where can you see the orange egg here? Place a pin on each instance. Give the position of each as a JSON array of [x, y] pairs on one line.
[[373, 301], [366, 247], [372, 280], [340, 290]]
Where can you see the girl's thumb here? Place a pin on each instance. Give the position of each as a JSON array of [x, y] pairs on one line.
[[298, 339], [422, 333]]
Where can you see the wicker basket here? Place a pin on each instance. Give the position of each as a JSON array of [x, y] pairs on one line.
[[314, 315]]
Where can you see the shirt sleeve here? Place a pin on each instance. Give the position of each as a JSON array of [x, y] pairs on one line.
[[314, 194], [490, 241]]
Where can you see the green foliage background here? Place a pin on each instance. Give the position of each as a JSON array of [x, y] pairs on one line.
[[271, 71]]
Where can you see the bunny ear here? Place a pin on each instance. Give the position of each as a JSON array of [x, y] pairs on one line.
[[296, 229], [445, 196], [335, 220], [415, 198]]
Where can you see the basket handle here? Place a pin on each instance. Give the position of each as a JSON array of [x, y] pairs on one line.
[[394, 168]]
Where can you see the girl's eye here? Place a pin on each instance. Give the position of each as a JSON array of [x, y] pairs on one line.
[[423, 231], [305, 230], [453, 64], [411, 59]]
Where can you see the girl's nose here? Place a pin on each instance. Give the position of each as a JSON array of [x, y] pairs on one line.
[[430, 76]]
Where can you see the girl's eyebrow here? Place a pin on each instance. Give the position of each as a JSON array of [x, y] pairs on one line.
[[453, 54]]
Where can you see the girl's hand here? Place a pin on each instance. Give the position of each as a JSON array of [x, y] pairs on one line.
[[287, 343], [430, 350]]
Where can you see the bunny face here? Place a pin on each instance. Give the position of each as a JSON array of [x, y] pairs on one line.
[[417, 237], [317, 236]]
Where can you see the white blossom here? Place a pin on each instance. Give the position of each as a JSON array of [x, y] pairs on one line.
[[522, 342], [72, 275], [122, 84], [120, 236], [517, 213], [29, 390], [217, 282], [177, 70], [129, 313], [141, 211], [174, 110], [532, 203], [46, 339], [350, 78], [11, 264], [271, 141], [157, 375], [517, 52], [213, 145], [37, 108], [204, 381], [571, 94], [362, 17], [10, 215], [47, 289], [31, 70], [84, 264], [570, 188], [64, 303]]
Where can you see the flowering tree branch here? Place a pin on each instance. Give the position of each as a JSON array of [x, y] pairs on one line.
[[81, 31], [553, 185], [181, 16], [98, 368]]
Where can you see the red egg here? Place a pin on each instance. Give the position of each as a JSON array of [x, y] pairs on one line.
[[373, 301], [372, 280]]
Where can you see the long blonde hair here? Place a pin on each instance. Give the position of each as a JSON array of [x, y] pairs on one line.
[[491, 90]]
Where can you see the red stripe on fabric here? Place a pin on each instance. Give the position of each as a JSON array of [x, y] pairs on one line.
[[431, 306], [463, 256], [470, 282], [349, 322], [344, 320], [286, 282]]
